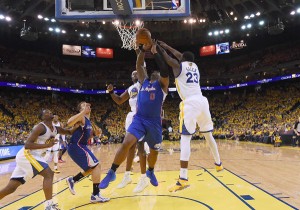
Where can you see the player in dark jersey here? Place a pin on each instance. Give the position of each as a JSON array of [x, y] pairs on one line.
[[146, 124], [80, 153]]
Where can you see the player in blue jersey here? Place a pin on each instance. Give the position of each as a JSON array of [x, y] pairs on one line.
[[80, 153], [146, 125]]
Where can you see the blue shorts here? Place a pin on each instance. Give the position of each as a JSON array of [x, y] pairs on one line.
[[82, 156], [148, 130]]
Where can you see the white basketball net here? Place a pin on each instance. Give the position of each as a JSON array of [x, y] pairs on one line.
[[127, 32]]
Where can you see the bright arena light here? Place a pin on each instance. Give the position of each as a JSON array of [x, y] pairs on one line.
[[246, 17], [235, 18], [99, 36], [227, 31], [63, 31], [88, 35], [7, 18], [191, 20], [46, 19], [57, 30], [216, 33], [185, 21], [258, 14], [249, 25], [210, 34], [53, 20], [2, 17], [137, 22], [293, 13], [252, 15], [103, 22], [81, 35], [243, 27], [231, 13], [116, 22], [40, 17], [298, 10], [261, 22], [50, 29], [221, 32]]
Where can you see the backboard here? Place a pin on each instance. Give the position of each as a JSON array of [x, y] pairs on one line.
[[100, 10]]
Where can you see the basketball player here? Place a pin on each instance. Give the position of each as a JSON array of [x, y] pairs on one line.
[[146, 124], [80, 153], [30, 161], [194, 108], [56, 147], [131, 95]]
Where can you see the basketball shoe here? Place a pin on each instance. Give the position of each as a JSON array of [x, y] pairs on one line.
[[180, 185], [53, 206], [56, 171], [143, 183], [126, 180], [219, 167], [71, 184], [110, 176], [98, 199], [152, 177]]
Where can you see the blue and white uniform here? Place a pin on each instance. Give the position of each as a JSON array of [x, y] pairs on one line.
[[146, 125], [194, 107], [78, 150]]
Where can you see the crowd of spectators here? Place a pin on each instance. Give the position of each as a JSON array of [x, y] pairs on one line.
[[249, 114]]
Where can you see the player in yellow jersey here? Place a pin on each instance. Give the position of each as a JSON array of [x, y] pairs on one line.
[[194, 109]]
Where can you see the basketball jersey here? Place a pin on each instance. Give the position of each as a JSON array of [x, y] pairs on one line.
[[150, 99], [57, 124], [187, 82], [42, 139], [82, 134], [133, 91]]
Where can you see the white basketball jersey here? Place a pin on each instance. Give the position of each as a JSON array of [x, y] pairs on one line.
[[43, 139], [133, 91], [57, 124], [188, 81]]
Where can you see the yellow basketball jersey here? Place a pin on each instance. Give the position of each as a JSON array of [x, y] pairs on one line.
[[187, 83]]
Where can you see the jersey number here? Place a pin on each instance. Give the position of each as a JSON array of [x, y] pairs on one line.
[[152, 96], [192, 78]]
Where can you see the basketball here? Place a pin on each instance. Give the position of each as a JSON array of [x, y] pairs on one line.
[[143, 36]]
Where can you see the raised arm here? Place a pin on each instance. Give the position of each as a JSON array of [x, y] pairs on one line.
[[36, 132], [171, 62], [175, 52], [141, 73], [119, 99], [65, 131], [78, 118]]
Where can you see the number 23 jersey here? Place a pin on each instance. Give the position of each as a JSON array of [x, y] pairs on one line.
[[187, 82]]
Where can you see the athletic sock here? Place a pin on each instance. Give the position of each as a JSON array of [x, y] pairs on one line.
[[96, 188], [78, 177], [114, 167]]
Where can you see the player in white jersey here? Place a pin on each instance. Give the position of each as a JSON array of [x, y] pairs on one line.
[[194, 109], [55, 148], [131, 95], [30, 161]]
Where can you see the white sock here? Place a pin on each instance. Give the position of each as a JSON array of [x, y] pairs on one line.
[[143, 176], [213, 146], [184, 173], [48, 202], [127, 173]]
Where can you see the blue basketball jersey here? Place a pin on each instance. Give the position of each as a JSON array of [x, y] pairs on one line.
[[150, 99], [82, 134]]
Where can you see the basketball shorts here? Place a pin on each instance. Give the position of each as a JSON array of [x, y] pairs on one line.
[[82, 156], [129, 118], [195, 110], [55, 147], [147, 130], [28, 165]]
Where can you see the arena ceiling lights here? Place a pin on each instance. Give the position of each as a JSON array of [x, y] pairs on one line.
[[6, 18]]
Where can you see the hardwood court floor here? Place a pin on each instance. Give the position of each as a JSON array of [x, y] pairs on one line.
[[255, 176]]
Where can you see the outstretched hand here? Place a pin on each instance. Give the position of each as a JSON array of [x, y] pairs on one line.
[[110, 87], [153, 48], [163, 44]]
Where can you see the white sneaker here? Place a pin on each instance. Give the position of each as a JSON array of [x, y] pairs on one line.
[[98, 199], [126, 180], [143, 183], [136, 159], [52, 207]]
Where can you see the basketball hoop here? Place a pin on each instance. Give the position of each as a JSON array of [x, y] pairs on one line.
[[127, 32]]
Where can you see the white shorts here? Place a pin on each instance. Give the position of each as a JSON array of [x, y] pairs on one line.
[[55, 147], [195, 110], [28, 165], [129, 118]]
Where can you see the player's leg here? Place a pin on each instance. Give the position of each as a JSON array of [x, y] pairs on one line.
[[11, 187], [48, 155], [206, 127], [127, 179], [143, 182], [135, 131], [55, 157], [96, 177]]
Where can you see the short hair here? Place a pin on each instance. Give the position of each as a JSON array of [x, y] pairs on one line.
[[188, 56], [79, 106]]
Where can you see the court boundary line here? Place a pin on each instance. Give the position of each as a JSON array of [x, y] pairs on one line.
[[32, 193], [263, 190], [132, 196]]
